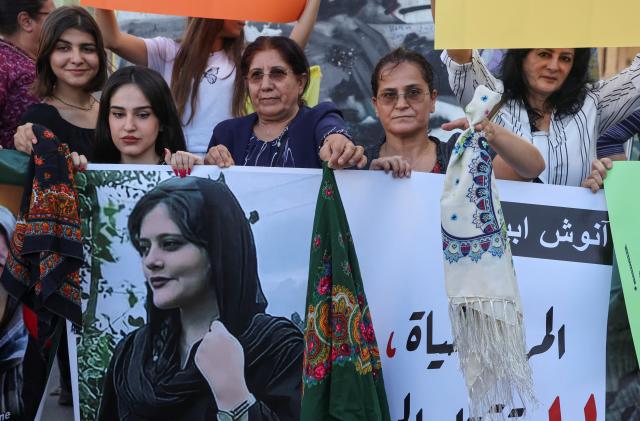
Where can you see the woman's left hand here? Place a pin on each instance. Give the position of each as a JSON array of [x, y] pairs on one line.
[[79, 161], [220, 359], [599, 168], [182, 162], [341, 152]]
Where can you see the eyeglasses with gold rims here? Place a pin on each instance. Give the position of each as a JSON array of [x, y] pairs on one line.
[[275, 75], [413, 96]]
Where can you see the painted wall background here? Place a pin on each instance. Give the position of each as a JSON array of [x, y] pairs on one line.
[[349, 38]]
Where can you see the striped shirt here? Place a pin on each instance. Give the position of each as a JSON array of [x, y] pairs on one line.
[[570, 144], [619, 133]]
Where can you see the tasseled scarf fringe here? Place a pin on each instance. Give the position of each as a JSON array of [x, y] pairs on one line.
[[498, 349]]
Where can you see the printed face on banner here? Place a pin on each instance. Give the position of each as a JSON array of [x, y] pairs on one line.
[[175, 268], [179, 228]]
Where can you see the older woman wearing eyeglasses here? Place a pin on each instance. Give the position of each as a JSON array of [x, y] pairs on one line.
[[283, 132], [404, 98]]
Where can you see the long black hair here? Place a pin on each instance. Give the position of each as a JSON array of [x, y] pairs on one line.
[[565, 101], [157, 92]]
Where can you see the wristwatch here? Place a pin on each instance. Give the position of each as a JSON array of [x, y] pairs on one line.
[[236, 413]]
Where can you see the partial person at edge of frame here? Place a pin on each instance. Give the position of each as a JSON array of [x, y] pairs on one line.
[[551, 102]]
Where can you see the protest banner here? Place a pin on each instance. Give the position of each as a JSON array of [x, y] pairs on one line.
[[536, 24], [259, 11], [624, 209], [564, 279]]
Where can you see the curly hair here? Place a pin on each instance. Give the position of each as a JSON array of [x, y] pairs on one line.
[[565, 101]]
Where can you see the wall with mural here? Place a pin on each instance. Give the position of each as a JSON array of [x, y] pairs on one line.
[[349, 38]]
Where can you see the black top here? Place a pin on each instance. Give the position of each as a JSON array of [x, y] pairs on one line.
[[443, 151], [79, 139], [137, 390]]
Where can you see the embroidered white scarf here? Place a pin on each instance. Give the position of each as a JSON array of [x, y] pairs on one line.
[[484, 301]]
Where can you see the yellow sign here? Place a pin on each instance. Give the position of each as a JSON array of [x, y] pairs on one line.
[[467, 24]]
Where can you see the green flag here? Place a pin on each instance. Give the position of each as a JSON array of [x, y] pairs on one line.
[[624, 212], [342, 377]]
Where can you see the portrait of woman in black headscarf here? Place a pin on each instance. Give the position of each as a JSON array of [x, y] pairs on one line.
[[208, 350]]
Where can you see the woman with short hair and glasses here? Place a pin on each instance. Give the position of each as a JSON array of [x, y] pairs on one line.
[[404, 98], [283, 131]]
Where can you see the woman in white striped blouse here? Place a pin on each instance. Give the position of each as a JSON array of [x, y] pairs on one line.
[[549, 101]]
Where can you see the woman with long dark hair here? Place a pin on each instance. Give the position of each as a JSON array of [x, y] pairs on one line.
[[201, 68], [138, 122], [208, 350], [549, 100], [71, 66]]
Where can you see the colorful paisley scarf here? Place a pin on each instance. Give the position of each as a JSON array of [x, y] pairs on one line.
[[46, 249]]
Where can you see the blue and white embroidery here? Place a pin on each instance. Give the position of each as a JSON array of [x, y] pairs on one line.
[[484, 217]]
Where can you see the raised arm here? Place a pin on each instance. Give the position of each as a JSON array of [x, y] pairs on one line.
[[516, 158], [302, 31], [619, 96], [459, 56], [129, 47]]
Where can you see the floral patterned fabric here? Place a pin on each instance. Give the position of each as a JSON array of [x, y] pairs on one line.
[[342, 373], [17, 73], [46, 248]]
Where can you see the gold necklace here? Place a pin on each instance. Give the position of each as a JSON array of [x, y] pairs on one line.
[[92, 101]]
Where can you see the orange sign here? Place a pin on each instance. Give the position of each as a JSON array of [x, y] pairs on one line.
[[254, 10]]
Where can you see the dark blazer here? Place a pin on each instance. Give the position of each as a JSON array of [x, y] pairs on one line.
[[307, 131]]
